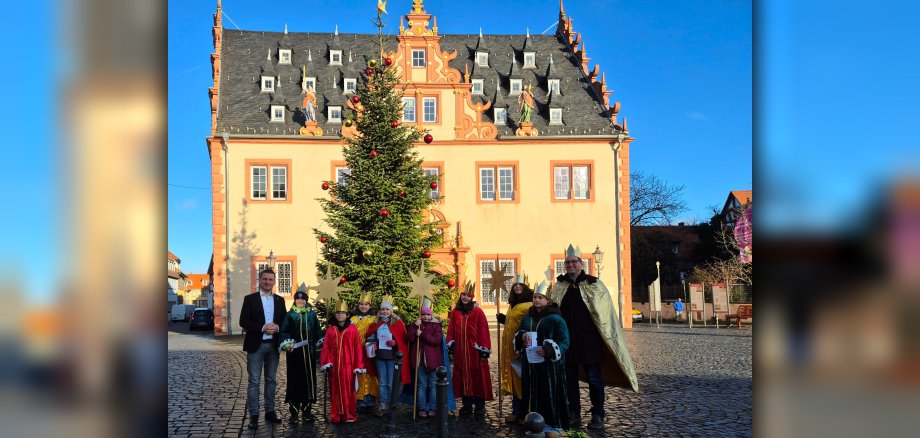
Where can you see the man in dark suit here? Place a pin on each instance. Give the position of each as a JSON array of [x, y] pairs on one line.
[[262, 313]]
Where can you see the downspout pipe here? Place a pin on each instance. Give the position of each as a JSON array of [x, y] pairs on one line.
[[225, 147]]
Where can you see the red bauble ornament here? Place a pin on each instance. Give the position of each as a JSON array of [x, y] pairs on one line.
[[428, 138], [384, 212], [325, 186], [373, 154], [355, 99], [451, 283], [388, 62], [368, 71], [323, 239], [394, 124], [342, 279], [434, 185], [402, 193], [427, 254]]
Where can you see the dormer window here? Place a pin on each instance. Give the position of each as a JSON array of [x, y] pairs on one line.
[[351, 85], [529, 60], [268, 84], [554, 85], [284, 56], [310, 83], [477, 86], [555, 116], [277, 113], [516, 86], [482, 59], [335, 114], [418, 58], [335, 57], [501, 115]]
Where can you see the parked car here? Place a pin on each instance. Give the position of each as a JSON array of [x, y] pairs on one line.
[[201, 318], [637, 315]]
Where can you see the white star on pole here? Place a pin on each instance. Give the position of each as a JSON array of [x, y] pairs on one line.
[[421, 284]]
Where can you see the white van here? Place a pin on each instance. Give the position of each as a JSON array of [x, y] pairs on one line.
[[182, 312]]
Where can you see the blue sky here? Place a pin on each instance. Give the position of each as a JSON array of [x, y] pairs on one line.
[[681, 70]]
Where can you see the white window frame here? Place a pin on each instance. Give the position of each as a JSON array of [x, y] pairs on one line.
[[281, 57], [411, 115], [268, 84], [419, 58], [257, 182], [340, 172], [331, 111], [530, 60], [310, 83], [487, 183], [276, 109], [485, 277], [555, 116], [501, 115], [435, 193], [507, 178], [517, 85], [429, 102], [333, 54], [279, 183], [565, 186], [477, 86], [482, 59], [350, 82], [285, 283], [553, 84]]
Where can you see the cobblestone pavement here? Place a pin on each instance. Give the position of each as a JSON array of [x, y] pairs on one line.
[[692, 382]]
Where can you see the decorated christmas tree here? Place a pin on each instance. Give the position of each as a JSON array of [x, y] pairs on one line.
[[376, 235]]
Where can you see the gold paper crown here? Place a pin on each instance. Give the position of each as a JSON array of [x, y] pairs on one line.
[[521, 279], [541, 288], [387, 299], [469, 288], [573, 251], [366, 298], [342, 306]]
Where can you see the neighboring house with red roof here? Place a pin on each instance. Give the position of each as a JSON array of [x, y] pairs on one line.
[[198, 290], [736, 199]]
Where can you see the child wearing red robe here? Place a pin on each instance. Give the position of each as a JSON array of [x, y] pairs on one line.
[[469, 341], [342, 359]]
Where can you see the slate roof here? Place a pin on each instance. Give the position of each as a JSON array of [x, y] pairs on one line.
[[244, 109]]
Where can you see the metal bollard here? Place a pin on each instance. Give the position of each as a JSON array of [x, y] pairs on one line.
[[442, 401], [394, 398], [534, 424]]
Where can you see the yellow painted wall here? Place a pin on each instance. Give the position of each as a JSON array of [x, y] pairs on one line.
[[534, 227]]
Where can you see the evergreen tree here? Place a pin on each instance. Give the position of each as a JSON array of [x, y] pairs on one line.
[[375, 214]]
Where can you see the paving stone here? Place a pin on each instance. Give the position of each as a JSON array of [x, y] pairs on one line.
[[693, 382]]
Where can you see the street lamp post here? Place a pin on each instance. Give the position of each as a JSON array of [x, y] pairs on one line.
[[271, 260]]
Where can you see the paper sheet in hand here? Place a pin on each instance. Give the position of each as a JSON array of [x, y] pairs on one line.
[[532, 355], [531, 339], [382, 338], [300, 344]]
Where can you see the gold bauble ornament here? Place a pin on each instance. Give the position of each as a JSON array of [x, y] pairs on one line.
[[367, 253], [372, 63], [348, 123]]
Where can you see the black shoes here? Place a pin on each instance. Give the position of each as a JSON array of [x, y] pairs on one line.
[[479, 414], [597, 422], [270, 417], [466, 410], [574, 419], [253, 421]]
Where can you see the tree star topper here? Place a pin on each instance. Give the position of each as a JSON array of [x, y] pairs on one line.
[[499, 278], [421, 284], [328, 288]]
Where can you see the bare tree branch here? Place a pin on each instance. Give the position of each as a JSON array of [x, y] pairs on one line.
[[653, 201]]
